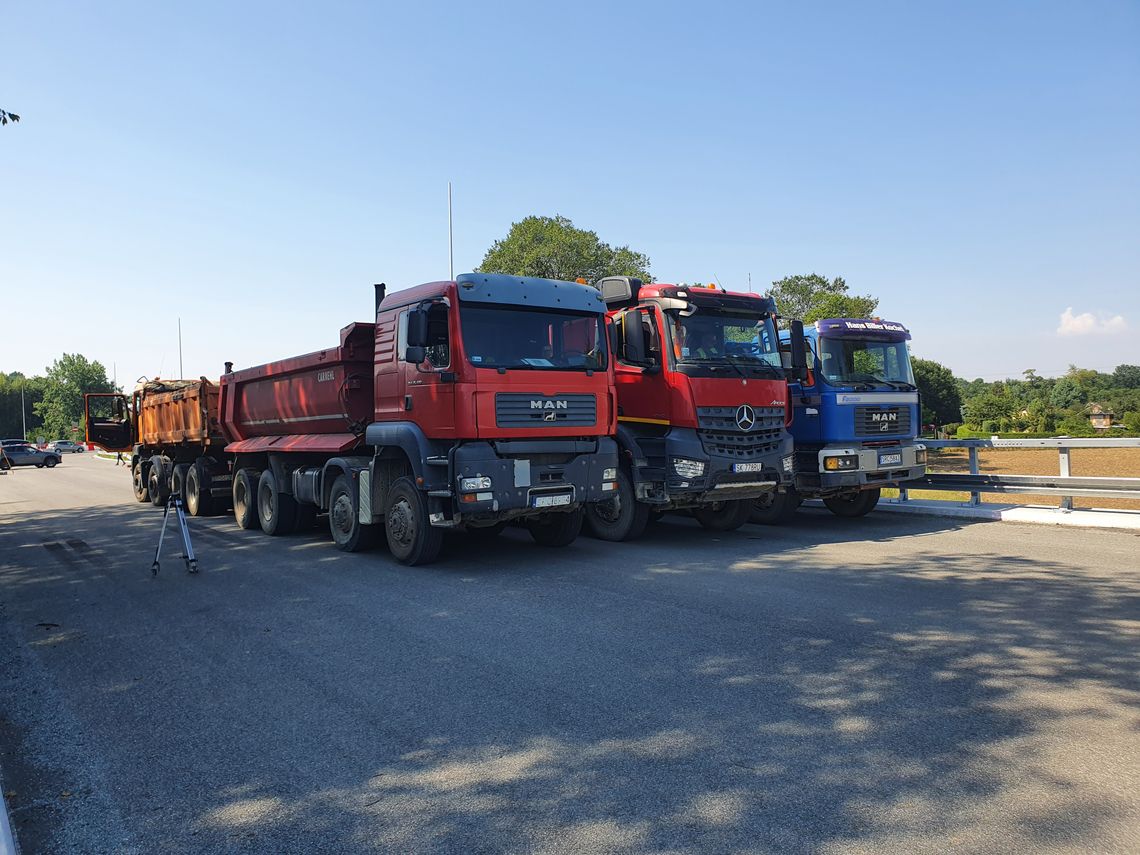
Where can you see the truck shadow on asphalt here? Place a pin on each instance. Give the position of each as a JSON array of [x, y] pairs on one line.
[[693, 692]]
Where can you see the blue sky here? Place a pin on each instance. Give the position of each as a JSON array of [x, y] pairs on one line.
[[253, 167]]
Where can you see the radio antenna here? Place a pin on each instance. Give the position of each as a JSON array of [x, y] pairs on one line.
[[450, 238]]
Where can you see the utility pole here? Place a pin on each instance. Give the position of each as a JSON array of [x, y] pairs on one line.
[[180, 375], [23, 413]]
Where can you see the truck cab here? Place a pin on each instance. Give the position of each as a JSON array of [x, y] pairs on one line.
[[494, 397], [856, 418], [702, 405]]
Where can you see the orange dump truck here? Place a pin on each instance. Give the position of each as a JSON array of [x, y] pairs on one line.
[[177, 441]]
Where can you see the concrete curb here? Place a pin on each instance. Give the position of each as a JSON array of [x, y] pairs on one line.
[[1042, 515]]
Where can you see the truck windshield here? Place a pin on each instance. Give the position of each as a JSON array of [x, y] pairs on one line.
[[538, 339], [713, 336], [853, 360]]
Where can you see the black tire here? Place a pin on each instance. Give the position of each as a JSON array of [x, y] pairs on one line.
[[158, 483], [39, 466], [139, 483], [411, 537], [199, 502], [620, 518], [178, 481], [487, 532], [724, 516], [774, 508], [557, 530], [276, 511], [859, 505], [344, 525], [245, 498]]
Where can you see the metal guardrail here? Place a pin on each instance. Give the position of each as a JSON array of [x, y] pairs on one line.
[[1063, 484]]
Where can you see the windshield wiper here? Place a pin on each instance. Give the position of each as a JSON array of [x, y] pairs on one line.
[[755, 365], [898, 384]]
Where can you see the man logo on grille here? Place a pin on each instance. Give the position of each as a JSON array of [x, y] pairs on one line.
[[745, 417], [549, 416]]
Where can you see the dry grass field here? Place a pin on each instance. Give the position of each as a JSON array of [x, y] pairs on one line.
[[1121, 462]]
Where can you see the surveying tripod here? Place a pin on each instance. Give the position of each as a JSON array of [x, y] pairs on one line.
[[175, 503]]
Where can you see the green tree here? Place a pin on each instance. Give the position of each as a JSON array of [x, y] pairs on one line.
[[6, 117], [1067, 393], [18, 391], [68, 379], [812, 297], [552, 248], [941, 401], [1132, 422], [989, 407], [1126, 376]]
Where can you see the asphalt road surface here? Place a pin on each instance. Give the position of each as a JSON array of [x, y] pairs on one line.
[[895, 684]]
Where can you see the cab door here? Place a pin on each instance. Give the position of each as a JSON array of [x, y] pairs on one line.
[[429, 385], [108, 420], [642, 390]]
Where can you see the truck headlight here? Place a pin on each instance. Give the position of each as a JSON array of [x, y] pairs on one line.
[[841, 462], [687, 468], [471, 485], [609, 474], [920, 455]]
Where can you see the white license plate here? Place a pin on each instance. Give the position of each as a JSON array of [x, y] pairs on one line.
[[550, 501], [890, 459], [747, 467]]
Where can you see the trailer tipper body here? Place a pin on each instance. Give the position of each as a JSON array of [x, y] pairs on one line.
[[466, 404], [703, 408], [856, 419]]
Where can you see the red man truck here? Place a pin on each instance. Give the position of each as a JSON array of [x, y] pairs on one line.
[[703, 408], [467, 404]]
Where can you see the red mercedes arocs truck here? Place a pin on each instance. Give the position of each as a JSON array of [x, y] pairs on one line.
[[703, 407], [467, 404]]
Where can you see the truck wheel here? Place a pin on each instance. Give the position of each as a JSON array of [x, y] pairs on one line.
[[724, 516], [199, 502], [347, 532], [557, 529], [619, 518], [276, 511], [139, 482], [773, 508], [178, 482], [158, 483], [245, 498], [858, 505], [411, 537]]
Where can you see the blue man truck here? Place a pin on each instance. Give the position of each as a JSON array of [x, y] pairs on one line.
[[856, 419]]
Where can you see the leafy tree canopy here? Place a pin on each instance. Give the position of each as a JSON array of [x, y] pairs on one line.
[[6, 117], [1127, 376], [938, 391], [812, 297], [68, 379], [552, 248]]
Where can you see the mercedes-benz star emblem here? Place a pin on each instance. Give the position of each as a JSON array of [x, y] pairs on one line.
[[745, 417]]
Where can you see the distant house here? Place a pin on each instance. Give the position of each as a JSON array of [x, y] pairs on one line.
[[1099, 416]]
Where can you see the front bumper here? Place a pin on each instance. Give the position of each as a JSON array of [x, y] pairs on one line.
[[771, 468], [874, 469], [529, 477]]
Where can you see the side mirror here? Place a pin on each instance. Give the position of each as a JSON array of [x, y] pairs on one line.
[[799, 359], [633, 333], [417, 329], [415, 354]]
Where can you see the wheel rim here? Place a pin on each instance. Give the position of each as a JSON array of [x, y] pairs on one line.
[[766, 501], [241, 496], [609, 511], [268, 500], [341, 515], [401, 523]]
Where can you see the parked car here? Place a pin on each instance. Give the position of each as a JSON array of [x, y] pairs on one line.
[[29, 455], [66, 445]]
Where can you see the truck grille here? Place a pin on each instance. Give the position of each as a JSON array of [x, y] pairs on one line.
[[880, 421], [518, 409], [721, 434]]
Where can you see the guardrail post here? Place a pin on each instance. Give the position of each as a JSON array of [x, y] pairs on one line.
[[1066, 501], [975, 497]]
